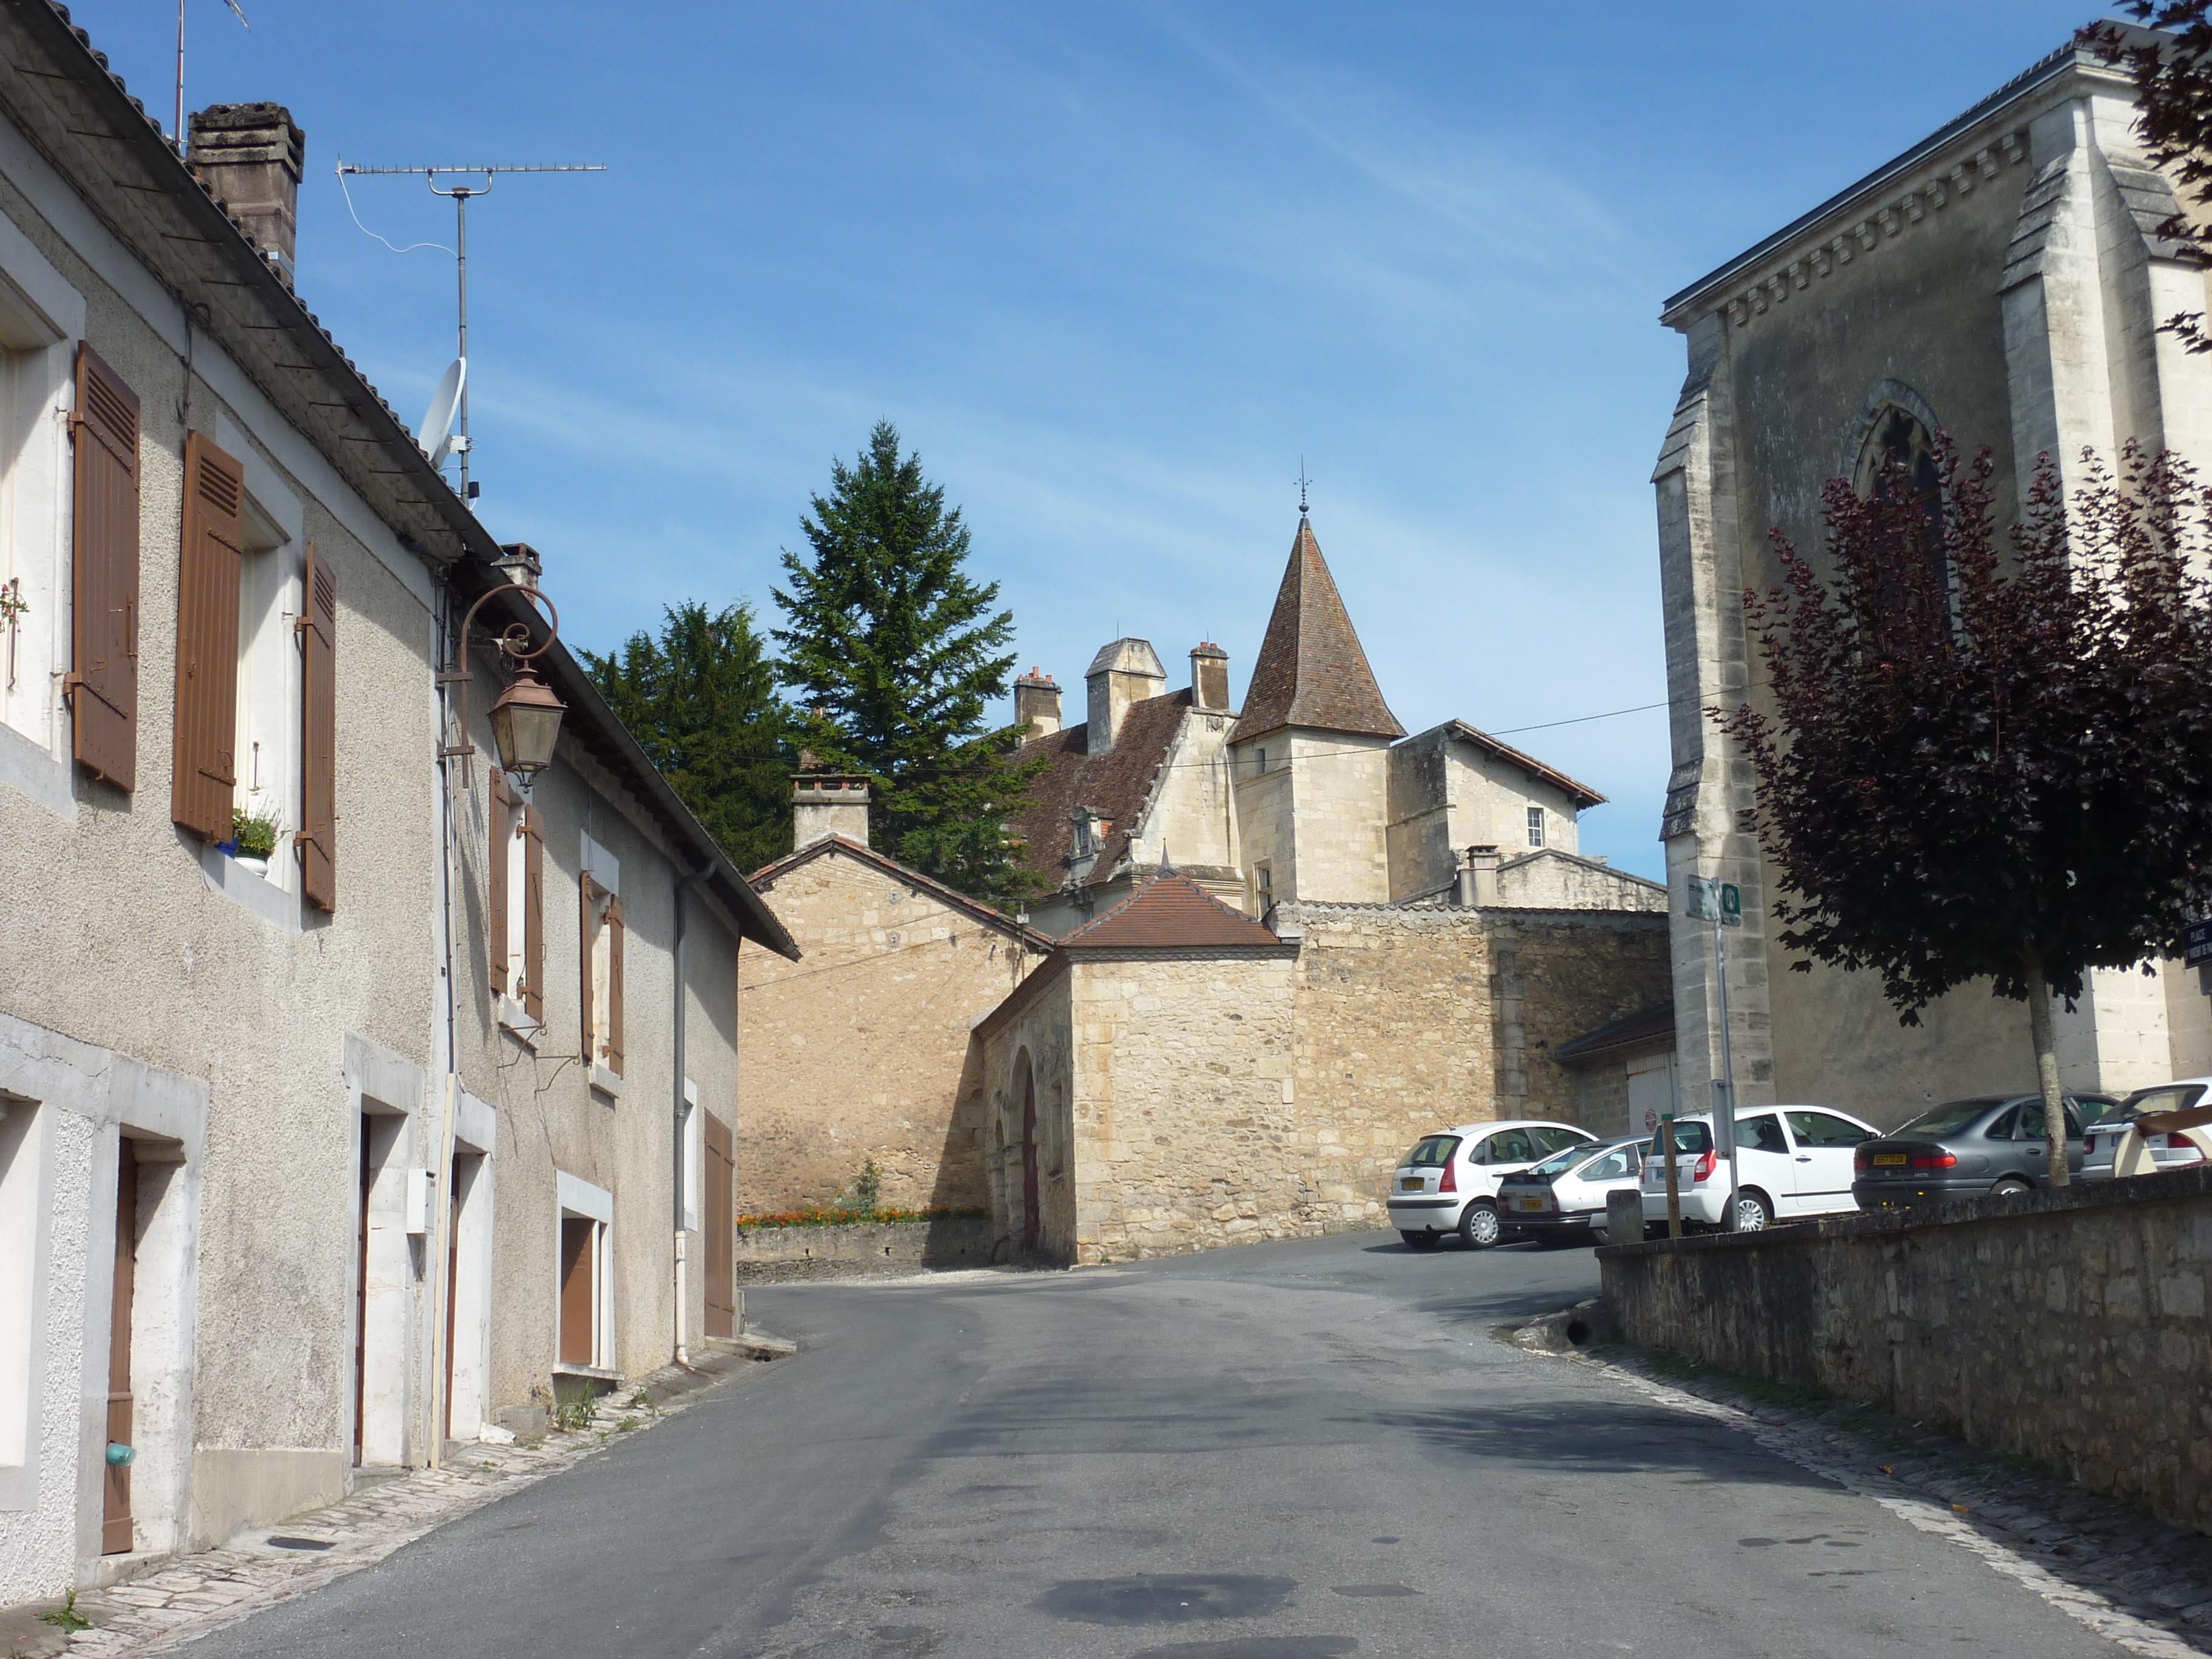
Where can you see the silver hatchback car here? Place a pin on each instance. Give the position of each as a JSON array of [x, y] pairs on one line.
[[1448, 1184]]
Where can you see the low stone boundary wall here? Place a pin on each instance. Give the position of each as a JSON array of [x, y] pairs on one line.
[[864, 1246], [2068, 1327]]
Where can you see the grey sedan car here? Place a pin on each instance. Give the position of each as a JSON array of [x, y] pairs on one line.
[[1969, 1149]]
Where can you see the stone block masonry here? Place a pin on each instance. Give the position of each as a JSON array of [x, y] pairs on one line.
[[2068, 1327]]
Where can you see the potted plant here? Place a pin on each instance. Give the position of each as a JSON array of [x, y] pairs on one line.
[[253, 838]]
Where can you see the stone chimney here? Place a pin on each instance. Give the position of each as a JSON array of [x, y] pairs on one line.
[[1125, 672], [250, 155], [1209, 677], [521, 563], [1036, 702], [826, 803], [1478, 878]]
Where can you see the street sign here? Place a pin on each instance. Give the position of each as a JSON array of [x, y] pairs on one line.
[[2197, 943], [1716, 901], [1651, 1118]]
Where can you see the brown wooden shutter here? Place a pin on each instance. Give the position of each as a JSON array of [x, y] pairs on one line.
[[317, 842], [579, 1289], [614, 927], [495, 883], [205, 778], [533, 915], [587, 936], [102, 686]]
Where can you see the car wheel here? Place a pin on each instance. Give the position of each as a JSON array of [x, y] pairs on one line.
[[1752, 1212], [2010, 1187], [1477, 1227], [1419, 1241]]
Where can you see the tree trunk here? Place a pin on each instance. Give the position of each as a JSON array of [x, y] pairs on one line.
[[2046, 1066]]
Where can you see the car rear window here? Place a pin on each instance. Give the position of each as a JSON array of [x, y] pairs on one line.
[[1561, 1160], [2169, 1098], [1431, 1150], [1688, 1138], [1946, 1119], [1609, 1166]]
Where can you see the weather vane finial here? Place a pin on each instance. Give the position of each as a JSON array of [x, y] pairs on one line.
[[1303, 482]]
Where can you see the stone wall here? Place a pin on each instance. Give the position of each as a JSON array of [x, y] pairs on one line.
[[1188, 1130], [859, 1050], [771, 1252], [1028, 1042], [2065, 1327], [1393, 1040], [1555, 975]]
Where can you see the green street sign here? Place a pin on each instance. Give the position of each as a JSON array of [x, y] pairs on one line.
[[1712, 900]]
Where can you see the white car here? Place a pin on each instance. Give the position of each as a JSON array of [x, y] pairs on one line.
[[1448, 1183], [2166, 1152], [1791, 1161], [1561, 1201]]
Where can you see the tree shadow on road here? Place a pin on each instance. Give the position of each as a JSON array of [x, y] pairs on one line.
[[1596, 1435]]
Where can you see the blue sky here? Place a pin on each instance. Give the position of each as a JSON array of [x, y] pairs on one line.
[[1112, 269]]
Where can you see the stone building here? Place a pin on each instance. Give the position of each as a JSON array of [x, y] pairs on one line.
[[860, 1051], [321, 1158], [1311, 790], [2002, 280], [1290, 941]]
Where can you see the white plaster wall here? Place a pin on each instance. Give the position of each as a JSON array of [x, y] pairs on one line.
[[38, 1531]]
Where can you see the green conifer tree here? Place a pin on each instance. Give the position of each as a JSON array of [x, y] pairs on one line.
[[702, 701], [897, 655]]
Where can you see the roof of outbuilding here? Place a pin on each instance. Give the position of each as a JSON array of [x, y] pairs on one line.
[[1172, 912], [1581, 794], [1653, 1025], [1311, 670], [1117, 785], [767, 875]]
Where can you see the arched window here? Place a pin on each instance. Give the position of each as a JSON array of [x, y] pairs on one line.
[[1898, 454]]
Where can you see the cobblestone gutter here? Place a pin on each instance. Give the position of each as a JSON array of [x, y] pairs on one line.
[[161, 1610]]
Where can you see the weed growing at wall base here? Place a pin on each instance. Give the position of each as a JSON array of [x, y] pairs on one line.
[[841, 1217]]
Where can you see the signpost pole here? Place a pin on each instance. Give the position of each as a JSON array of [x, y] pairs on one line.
[[1724, 1089]]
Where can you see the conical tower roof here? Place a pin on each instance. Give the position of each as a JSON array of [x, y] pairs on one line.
[[1311, 670]]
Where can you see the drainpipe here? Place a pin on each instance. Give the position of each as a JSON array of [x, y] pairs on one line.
[[684, 887]]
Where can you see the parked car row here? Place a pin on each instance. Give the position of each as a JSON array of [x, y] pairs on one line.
[[1487, 1182]]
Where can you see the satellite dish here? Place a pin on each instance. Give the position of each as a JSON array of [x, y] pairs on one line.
[[437, 437]]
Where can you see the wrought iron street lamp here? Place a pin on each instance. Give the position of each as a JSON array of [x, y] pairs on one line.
[[526, 720]]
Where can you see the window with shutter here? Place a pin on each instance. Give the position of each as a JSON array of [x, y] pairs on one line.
[[317, 841], [204, 776], [102, 685], [533, 915], [613, 1048], [588, 969], [499, 873]]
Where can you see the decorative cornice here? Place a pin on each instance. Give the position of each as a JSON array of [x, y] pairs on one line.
[[1794, 268]]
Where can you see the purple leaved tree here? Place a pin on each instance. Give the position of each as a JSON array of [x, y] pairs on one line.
[[1990, 758]]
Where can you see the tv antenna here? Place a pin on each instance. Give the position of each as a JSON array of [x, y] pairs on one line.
[[449, 407], [234, 12]]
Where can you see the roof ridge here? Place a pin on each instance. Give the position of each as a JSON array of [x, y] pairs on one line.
[[775, 869]]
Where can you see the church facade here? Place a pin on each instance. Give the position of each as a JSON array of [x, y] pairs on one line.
[[2002, 281]]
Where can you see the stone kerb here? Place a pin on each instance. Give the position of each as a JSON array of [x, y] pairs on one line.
[[2066, 1327]]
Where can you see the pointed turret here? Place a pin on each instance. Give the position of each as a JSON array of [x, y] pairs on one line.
[[1311, 673]]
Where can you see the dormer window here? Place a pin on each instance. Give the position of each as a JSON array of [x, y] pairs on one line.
[[1089, 831]]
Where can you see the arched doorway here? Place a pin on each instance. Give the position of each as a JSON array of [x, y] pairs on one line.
[[1032, 1204]]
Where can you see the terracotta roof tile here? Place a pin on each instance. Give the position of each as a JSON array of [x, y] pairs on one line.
[[1171, 911], [1116, 785], [1311, 671]]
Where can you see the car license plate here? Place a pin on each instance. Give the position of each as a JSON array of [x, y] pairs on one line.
[[1528, 1204], [1409, 1183], [1889, 1158]]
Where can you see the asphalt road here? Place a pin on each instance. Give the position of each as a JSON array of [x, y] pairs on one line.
[[1287, 1452]]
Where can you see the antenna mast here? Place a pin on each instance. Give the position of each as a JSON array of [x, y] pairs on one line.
[[461, 194]]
